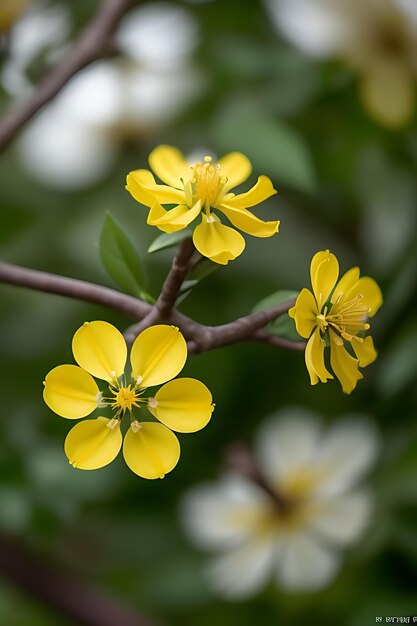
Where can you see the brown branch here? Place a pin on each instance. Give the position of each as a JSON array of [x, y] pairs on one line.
[[242, 329], [92, 43], [200, 338], [239, 459], [66, 594], [164, 306], [73, 288], [278, 342]]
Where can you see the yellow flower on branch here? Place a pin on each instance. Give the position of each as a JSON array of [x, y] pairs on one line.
[[158, 354], [203, 190], [337, 311]]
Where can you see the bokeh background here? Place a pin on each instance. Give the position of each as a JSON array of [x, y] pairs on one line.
[[208, 77]]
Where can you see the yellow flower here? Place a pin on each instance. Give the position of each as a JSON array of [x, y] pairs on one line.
[[338, 312], [158, 354], [201, 189]]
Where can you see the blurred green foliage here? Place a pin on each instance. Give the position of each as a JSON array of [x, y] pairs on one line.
[[344, 183]]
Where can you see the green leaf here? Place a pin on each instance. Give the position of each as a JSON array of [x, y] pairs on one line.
[[201, 270], [283, 326], [121, 260], [169, 240], [275, 148], [279, 297]]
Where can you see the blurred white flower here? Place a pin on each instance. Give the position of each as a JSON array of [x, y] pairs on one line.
[[160, 35], [40, 28], [376, 38], [73, 142], [291, 522]]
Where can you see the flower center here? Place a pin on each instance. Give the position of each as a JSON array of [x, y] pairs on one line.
[[207, 182], [125, 399], [321, 321], [348, 318]]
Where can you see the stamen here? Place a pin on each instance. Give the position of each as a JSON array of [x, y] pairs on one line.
[[101, 404], [152, 403], [112, 423], [135, 426], [207, 184]]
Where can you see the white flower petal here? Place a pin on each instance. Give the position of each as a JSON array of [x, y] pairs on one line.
[[154, 97], [95, 95], [342, 519], [241, 572], [347, 452], [64, 155], [158, 35], [306, 564], [316, 27], [409, 8], [287, 442], [221, 515]]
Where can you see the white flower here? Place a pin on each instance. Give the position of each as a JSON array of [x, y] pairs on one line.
[[293, 527], [376, 38], [74, 141]]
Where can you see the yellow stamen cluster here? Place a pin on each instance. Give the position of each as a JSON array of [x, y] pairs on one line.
[[126, 397], [349, 318], [207, 182]]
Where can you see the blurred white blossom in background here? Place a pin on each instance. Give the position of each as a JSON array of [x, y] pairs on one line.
[[41, 30], [74, 141], [377, 39], [296, 534]]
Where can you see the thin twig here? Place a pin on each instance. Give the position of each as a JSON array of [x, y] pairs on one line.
[[200, 338], [242, 329], [73, 288], [92, 43], [278, 342], [163, 308], [74, 599], [239, 459]]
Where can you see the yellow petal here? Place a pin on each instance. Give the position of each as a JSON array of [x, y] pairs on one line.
[[343, 364], [100, 348], [169, 165], [70, 391], [150, 450], [324, 270], [365, 351], [92, 444], [262, 190], [249, 223], [370, 292], [387, 92], [345, 283], [173, 220], [142, 186], [184, 405], [216, 241], [314, 358], [236, 167], [158, 354], [304, 313]]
